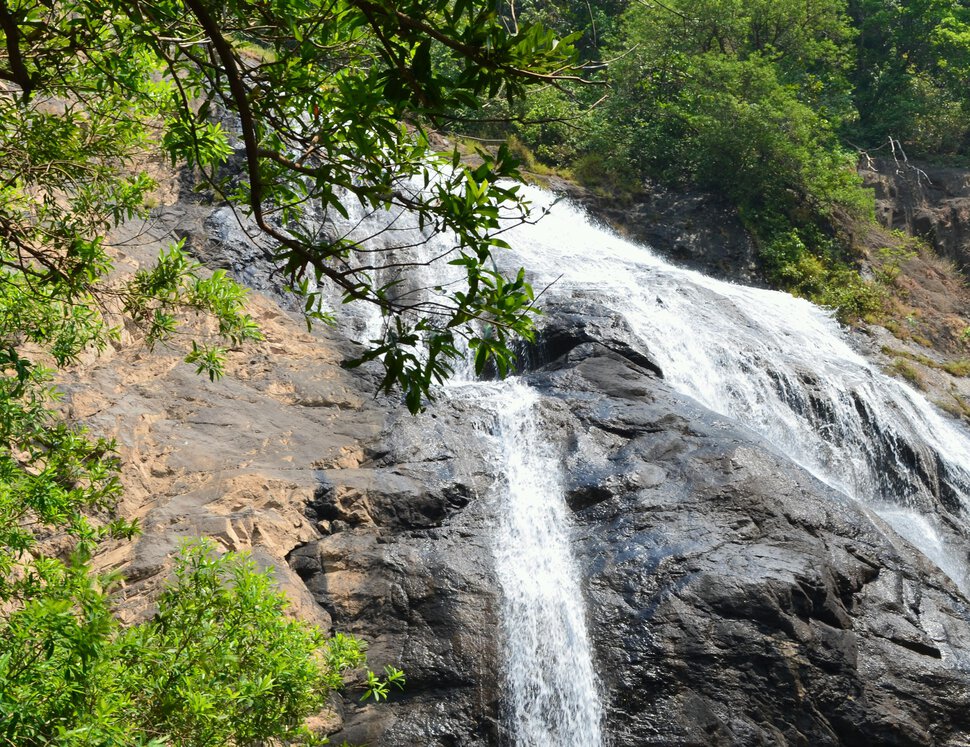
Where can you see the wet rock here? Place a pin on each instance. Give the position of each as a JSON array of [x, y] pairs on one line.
[[732, 598], [426, 605], [578, 322], [692, 229], [738, 601]]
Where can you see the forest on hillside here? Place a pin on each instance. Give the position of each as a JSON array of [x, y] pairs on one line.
[[770, 104]]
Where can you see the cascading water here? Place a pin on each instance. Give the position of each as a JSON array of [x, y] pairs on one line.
[[553, 697], [776, 364]]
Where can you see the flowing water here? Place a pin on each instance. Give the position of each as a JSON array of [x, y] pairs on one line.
[[552, 697], [775, 364], [778, 365]]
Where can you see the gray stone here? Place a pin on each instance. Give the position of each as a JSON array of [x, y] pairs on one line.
[[732, 598]]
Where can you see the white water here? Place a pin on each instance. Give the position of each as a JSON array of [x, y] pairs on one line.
[[553, 697], [776, 364], [773, 363]]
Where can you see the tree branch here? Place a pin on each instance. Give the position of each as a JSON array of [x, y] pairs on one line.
[[18, 72]]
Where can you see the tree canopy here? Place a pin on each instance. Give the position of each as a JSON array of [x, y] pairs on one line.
[[767, 104], [331, 101]]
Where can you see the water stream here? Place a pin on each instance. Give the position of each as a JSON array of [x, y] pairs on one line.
[[552, 698], [775, 364], [778, 365]]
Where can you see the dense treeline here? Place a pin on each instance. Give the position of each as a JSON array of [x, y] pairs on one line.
[[767, 102]]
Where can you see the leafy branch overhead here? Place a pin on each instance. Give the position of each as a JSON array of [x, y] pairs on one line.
[[330, 100]]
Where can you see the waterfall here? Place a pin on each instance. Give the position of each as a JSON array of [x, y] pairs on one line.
[[778, 365], [552, 698], [775, 364]]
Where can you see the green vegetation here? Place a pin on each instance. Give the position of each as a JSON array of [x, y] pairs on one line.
[[89, 91], [908, 371], [909, 76], [954, 405], [762, 101], [320, 93], [766, 102], [219, 664], [959, 368]]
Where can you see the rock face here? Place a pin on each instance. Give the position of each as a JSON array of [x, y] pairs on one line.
[[698, 230], [409, 568], [732, 598], [930, 202], [236, 460], [735, 600]]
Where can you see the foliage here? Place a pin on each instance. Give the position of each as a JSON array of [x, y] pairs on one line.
[[352, 72], [52, 477], [754, 87], [766, 102], [553, 127], [908, 371], [745, 99], [594, 23], [732, 126], [220, 663], [821, 276], [910, 74], [892, 258]]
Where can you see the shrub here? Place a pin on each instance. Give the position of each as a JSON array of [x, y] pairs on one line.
[[220, 663]]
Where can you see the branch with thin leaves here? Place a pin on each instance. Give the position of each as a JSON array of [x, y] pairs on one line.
[[352, 72]]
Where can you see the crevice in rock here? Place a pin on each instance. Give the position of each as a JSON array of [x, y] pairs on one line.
[[917, 647]]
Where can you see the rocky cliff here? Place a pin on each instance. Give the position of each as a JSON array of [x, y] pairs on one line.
[[694, 229], [732, 598], [932, 202]]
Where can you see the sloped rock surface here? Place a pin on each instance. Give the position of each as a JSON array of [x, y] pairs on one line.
[[236, 460], [694, 229], [732, 599], [409, 568]]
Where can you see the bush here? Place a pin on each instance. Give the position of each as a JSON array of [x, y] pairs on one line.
[[552, 127], [813, 270], [220, 663]]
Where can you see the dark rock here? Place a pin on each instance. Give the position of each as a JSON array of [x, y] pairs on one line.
[[739, 601], [412, 574], [428, 606], [577, 323], [732, 598], [931, 202], [692, 229]]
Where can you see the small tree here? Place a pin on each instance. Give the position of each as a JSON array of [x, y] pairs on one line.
[[220, 663]]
